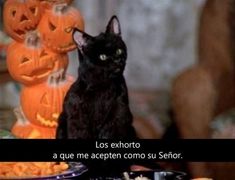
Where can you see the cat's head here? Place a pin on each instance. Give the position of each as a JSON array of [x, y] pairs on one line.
[[107, 51]]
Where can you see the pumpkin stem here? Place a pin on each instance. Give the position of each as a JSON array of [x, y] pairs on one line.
[[32, 39], [56, 77], [60, 8], [21, 119]]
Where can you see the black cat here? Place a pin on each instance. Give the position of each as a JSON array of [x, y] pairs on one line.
[[96, 106]]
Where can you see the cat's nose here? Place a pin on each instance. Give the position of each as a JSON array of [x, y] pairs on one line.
[[117, 60]]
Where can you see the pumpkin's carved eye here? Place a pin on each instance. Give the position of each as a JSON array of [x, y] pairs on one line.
[[68, 29], [45, 100], [33, 10], [24, 60], [43, 53], [52, 26], [23, 18], [13, 13]]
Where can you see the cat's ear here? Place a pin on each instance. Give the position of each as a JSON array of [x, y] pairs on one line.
[[80, 38], [114, 26]]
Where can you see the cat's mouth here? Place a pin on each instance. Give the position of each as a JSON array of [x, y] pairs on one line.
[[117, 70]]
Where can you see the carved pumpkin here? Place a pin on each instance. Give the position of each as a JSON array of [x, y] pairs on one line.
[[31, 131], [23, 128], [31, 63], [56, 27], [21, 16], [42, 103]]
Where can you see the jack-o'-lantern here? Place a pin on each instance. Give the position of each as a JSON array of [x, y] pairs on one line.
[[31, 131], [23, 128], [56, 27], [42, 103], [31, 63], [21, 16]]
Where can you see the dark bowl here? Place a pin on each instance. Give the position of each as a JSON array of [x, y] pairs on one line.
[[156, 175]]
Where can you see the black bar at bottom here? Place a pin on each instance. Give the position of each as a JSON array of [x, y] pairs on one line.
[[99, 150]]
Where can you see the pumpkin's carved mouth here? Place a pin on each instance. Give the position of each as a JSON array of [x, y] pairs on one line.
[[48, 122], [39, 73], [24, 30], [68, 47], [19, 32], [65, 47]]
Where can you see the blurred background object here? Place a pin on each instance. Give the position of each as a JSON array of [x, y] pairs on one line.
[[8, 93], [1, 12], [207, 89], [203, 96]]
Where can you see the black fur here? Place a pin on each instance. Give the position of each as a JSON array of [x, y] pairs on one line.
[[96, 106]]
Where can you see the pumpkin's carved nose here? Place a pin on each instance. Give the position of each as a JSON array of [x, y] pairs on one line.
[[23, 18]]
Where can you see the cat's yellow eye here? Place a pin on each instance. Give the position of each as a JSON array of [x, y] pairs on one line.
[[103, 57], [119, 52]]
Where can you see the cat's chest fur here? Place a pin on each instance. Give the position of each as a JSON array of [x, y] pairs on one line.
[[98, 106], [96, 103]]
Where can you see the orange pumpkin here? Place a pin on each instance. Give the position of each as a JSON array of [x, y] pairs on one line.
[[42, 103], [31, 131], [56, 27], [21, 16], [31, 63], [26, 130]]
